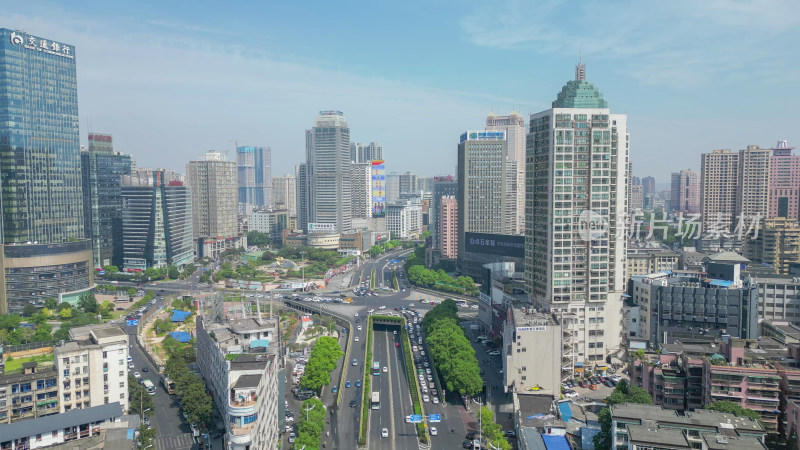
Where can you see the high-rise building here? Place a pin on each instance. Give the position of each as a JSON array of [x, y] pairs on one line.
[[378, 200], [361, 187], [404, 219], [777, 245], [719, 180], [448, 226], [362, 153], [102, 172], [637, 197], [303, 196], [328, 165], [577, 155], [254, 174], [648, 192], [45, 253], [685, 192], [514, 126], [443, 186], [284, 193], [784, 182], [407, 183], [214, 201], [392, 187], [752, 195], [487, 195], [156, 223]]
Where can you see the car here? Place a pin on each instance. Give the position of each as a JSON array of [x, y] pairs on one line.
[[408, 419], [434, 431], [292, 437], [593, 387], [130, 365], [353, 403], [467, 444], [474, 306], [608, 383], [358, 328], [510, 433], [146, 421], [422, 352], [435, 400], [433, 391], [583, 384], [570, 393], [358, 383], [335, 389], [421, 377], [428, 371], [145, 369], [385, 433], [381, 307], [137, 375], [397, 344], [290, 418], [394, 332], [385, 369], [397, 309], [425, 363], [355, 315], [355, 339], [415, 348], [426, 399], [430, 378], [371, 311], [355, 362], [287, 429]]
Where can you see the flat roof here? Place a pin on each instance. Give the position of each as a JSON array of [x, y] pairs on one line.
[[673, 437], [247, 381], [715, 441], [109, 332], [46, 424], [701, 418]]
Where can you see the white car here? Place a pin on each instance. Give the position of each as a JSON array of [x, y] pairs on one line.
[[434, 431], [428, 371], [570, 393], [359, 328], [430, 378], [385, 369], [370, 311], [381, 307], [385, 433], [474, 306], [289, 419], [421, 377], [408, 419], [355, 338], [137, 375], [422, 352], [355, 315], [130, 365], [415, 348], [426, 399], [436, 400]]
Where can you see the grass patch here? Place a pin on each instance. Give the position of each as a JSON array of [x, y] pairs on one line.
[[15, 364]]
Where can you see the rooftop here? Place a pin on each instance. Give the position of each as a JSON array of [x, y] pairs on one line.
[[46, 424], [250, 325], [728, 257], [701, 418], [251, 362], [530, 317], [247, 381], [537, 411], [580, 94], [652, 434], [714, 441]]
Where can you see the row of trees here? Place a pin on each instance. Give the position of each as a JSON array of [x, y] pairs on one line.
[[311, 424], [141, 403], [321, 363], [189, 387], [491, 432], [440, 280], [451, 351], [258, 238], [378, 249]]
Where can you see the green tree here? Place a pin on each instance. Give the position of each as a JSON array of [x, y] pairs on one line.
[[623, 393], [257, 238], [491, 431], [140, 400], [88, 303], [146, 436], [110, 270], [321, 363], [131, 291], [173, 273], [50, 303], [728, 406], [29, 310], [65, 313]]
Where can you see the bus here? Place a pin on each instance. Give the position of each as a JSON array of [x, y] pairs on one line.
[[376, 400], [169, 385], [151, 389], [376, 367]]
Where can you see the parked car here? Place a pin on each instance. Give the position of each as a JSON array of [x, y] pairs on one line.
[[593, 387], [510, 433], [608, 383]]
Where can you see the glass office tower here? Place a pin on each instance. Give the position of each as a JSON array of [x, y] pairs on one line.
[[40, 168]]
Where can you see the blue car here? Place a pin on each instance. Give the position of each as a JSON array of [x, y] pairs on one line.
[[335, 389], [358, 383], [347, 384]]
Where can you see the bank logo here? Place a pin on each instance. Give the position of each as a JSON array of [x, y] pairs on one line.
[[16, 39]]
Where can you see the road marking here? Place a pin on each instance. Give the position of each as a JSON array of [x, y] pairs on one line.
[[391, 396]]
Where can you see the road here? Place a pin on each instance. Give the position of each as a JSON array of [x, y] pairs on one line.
[[394, 393]]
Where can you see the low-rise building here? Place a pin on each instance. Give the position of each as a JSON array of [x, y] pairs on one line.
[[30, 393], [241, 364], [638, 426], [93, 367], [532, 352], [643, 262]]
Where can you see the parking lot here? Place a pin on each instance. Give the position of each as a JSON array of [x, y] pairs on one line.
[[601, 392]]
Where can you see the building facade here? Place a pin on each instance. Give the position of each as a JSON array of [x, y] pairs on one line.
[[514, 127], [254, 175], [719, 181], [685, 192], [328, 171], [442, 186], [532, 352], [93, 367], [31, 393], [404, 219], [637, 197], [407, 183], [156, 224], [784, 182], [102, 171], [752, 195], [214, 198], [777, 245], [646, 262], [364, 153], [361, 186], [40, 167], [576, 179], [284, 193], [448, 230]]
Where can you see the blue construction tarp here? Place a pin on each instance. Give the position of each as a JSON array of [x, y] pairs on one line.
[[555, 442], [181, 336], [721, 283], [566, 412], [180, 316], [259, 343]]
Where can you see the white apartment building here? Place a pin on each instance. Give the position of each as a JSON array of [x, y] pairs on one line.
[[514, 127], [577, 159], [533, 352], [93, 367], [361, 187], [245, 388], [404, 219]]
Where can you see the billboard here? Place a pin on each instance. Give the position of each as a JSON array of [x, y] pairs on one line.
[[483, 135], [378, 188], [321, 227], [495, 244]]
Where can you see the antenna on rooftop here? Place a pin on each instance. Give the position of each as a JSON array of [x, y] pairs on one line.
[[580, 68]]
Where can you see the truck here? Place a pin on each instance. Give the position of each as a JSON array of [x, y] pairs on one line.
[[376, 400], [376, 367], [169, 385]]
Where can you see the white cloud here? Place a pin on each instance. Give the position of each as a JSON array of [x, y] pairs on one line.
[[671, 43]]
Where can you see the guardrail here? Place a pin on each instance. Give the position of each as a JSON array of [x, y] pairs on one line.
[[416, 396]]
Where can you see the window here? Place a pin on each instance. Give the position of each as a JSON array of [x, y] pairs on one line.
[[55, 434], [121, 396], [38, 438], [122, 384]]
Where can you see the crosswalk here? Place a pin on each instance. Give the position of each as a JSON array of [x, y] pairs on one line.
[[177, 442]]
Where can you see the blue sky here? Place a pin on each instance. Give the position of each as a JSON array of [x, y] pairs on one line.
[[171, 80]]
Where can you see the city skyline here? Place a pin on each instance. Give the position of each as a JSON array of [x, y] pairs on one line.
[[189, 81]]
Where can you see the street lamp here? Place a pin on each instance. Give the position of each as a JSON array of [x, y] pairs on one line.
[[303, 268], [309, 409]]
